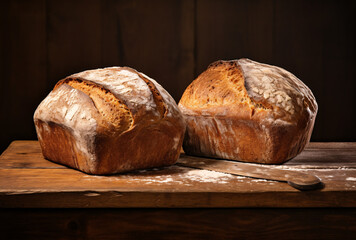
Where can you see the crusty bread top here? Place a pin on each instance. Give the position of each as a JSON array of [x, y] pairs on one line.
[[275, 85], [107, 101], [123, 95], [114, 113], [128, 85], [245, 89]]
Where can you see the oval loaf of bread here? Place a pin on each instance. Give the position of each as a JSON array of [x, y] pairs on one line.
[[109, 120], [247, 111]]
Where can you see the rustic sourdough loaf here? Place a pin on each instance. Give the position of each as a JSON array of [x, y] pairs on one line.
[[109, 120], [248, 111]]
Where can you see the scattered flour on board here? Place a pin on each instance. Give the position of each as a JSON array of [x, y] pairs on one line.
[[351, 179], [208, 176], [191, 175], [157, 179], [185, 177]]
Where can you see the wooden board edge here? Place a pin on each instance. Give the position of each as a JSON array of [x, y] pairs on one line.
[[114, 199], [342, 145], [8, 149], [15, 142]]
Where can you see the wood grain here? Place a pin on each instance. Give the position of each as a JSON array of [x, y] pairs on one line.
[[258, 223], [28, 180]]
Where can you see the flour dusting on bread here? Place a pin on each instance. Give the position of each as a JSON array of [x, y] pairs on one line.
[[73, 110], [125, 84], [273, 84]]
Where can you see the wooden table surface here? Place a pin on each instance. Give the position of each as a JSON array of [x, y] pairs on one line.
[[29, 181]]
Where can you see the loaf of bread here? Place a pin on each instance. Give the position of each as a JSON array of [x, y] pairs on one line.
[[247, 111], [109, 120]]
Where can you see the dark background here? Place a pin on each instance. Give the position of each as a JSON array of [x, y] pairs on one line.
[[173, 41]]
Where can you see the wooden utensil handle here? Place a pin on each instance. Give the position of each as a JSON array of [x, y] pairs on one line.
[[296, 179]]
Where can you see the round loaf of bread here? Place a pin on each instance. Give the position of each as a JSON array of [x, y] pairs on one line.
[[109, 120], [247, 111]]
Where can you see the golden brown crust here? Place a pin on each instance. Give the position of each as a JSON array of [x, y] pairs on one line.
[[225, 119], [102, 126], [161, 106], [58, 145], [115, 114], [139, 148]]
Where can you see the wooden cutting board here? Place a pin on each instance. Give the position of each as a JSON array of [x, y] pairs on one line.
[[28, 180]]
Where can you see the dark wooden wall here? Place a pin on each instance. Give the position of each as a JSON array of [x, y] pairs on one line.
[[173, 41]]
